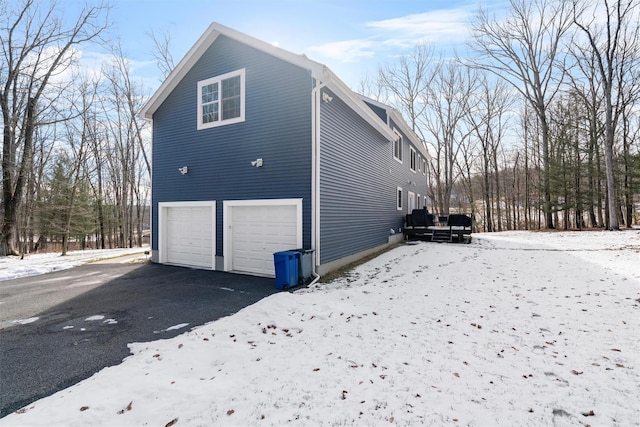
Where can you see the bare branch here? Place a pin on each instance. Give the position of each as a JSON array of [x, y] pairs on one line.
[[162, 53]]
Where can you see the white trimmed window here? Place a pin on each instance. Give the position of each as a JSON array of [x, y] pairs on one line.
[[221, 100], [399, 198], [397, 147], [414, 159], [411, 202], [424, 166]]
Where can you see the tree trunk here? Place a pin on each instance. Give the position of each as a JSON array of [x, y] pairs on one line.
[[12, 194], [487, 194], [614, 223], [546, 177]]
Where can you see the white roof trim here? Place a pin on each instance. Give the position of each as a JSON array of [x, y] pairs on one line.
[[401, 123], [355, 103], [203, 43], [318, 71]]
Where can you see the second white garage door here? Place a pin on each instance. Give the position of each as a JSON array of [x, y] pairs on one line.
[[254, 232], [188, 237]]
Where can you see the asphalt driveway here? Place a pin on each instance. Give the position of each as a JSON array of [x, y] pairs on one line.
[[86, 316]]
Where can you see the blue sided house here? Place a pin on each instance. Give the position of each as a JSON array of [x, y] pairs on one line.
[[258, 150]]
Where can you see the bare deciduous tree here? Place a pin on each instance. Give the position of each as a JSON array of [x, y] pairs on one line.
[[127, 144], [614, 44], [36, 48], [524, 50], [448, 100], [488, 123], [407, 80], [162, 52]]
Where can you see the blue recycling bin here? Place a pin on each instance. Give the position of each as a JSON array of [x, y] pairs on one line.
[[286, 266]]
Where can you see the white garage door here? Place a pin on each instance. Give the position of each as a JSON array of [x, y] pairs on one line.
[[189, 236], [257, 232]]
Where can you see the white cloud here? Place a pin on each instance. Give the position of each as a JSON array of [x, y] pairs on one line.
[[440, 27], [445, 25], [346, 50]]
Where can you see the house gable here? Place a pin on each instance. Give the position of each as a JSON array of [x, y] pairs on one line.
[[378, 109], [277, 128], [317, 71], [294, 134]]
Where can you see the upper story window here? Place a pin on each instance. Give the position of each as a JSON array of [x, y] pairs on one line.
[[221, 100], [397, 147], [414, 159]]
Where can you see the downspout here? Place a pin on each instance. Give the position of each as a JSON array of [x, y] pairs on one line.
[[315, 174]]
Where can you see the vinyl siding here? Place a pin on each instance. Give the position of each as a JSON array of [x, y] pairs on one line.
[[401, 172], [380, 112], [357, 190], [405, 178], [277, 128]]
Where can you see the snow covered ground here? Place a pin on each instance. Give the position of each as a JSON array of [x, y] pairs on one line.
[[12, 267], [516, 328]]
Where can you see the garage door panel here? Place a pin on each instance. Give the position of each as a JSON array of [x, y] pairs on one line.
[[246, 232], [189, 236], [258, 232], [260, 238]]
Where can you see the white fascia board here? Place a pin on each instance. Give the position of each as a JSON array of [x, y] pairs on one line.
[[406, 129], [210, 35], [177, 74], [317, 70], [400, 122], [301, 61], [354, 102], [373, 101]]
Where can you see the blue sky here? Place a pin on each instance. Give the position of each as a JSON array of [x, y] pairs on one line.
[[352, 37]]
